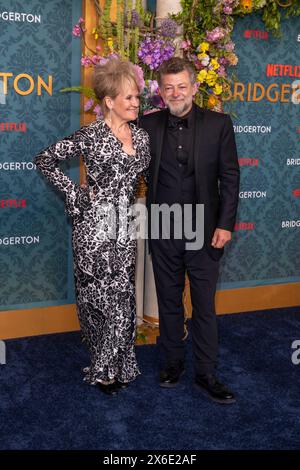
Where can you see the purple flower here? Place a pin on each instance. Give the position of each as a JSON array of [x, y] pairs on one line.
[[168, 28], [89, 104], [157, 101], [152, 87], [221, 71], [153, 52], [97, 110]]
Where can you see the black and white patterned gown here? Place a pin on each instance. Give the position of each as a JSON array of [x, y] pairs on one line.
[[104, 266]]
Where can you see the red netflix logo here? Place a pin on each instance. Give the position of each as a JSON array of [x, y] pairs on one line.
[[248, 161], [296, 192], [255, 34], [13, 203], [244, 226]]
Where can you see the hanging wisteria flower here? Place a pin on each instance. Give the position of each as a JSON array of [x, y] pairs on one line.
[[134, 18], [89, 104], [98, 111], [168, 28], [153, 52]]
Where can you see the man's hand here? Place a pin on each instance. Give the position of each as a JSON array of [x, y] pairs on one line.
[[220, 238]]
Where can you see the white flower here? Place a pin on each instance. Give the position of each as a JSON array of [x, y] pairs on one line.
[[205, 61]]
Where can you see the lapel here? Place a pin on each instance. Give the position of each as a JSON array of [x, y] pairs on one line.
[[159, 135], [198, 141]]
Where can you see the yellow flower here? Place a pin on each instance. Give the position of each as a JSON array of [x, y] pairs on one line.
[[212, 101], [96, 36], [204, 46], [217, 89], [215, 64], [202, 55], [110, 43], [202, 76], [211, 77]]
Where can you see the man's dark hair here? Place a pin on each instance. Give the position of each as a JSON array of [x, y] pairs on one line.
[[176, 65]]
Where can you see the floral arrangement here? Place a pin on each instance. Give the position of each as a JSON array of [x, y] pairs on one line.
[[201, 33], [207, 28]]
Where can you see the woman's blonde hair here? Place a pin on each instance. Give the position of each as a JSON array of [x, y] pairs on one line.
[[110, 78]]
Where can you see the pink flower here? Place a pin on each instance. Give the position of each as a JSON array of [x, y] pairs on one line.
[[86, 61], [148, 59], [185, 45], [76, 31], [78, 28], [215, 35], [229, 47], [140, 76], [227, 10]]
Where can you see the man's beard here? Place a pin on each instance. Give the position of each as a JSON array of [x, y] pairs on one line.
[[179, 110]]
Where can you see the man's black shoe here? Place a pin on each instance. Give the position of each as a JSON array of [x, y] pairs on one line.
[[170, 376], [213, 389]]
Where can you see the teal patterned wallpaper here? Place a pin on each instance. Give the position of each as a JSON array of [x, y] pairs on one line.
[[35, 253], [268, 250]]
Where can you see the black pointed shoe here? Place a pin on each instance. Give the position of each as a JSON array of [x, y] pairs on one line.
[[109, 389], [170, 376], [214, 389]]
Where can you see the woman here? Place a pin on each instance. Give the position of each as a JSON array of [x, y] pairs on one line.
[[115, 153]]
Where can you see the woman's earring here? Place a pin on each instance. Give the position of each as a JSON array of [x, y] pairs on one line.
[[110, 120]]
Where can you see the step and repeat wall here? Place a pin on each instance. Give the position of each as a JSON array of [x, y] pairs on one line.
[[266, 116], [38, 58]]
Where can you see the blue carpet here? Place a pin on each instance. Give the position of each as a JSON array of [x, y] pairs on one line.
[[45, 405]]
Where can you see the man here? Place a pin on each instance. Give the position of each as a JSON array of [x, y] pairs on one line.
[[194, 161]]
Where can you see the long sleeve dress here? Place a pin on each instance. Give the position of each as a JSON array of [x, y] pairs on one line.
[[104, 249]]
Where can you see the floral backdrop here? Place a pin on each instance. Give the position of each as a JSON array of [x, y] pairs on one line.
[[201, 32]]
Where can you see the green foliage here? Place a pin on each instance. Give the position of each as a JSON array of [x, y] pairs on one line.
[[85, 91]]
